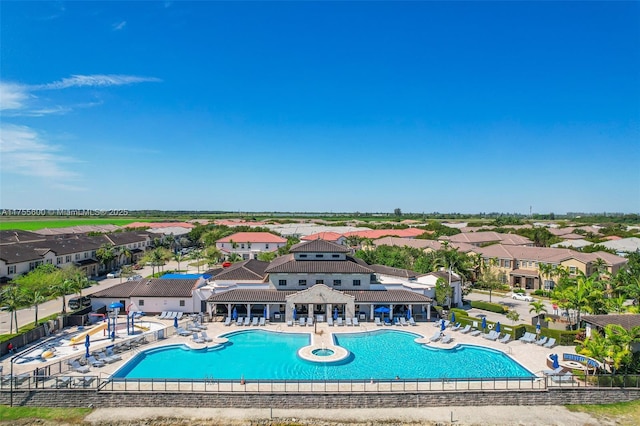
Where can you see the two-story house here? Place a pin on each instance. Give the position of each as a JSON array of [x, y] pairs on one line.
[[248, 245]]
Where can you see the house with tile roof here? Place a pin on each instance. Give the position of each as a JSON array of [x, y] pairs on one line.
[[248, 245], [484, 238], [316, 278], [334, 237]]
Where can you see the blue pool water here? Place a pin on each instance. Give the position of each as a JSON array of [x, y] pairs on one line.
[[258, 354]]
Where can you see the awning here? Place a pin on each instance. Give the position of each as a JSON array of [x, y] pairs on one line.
[[524, 273]]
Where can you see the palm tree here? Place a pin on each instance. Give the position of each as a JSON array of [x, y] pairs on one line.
[[212, 255], [12, 298], [619, 341], [35, 298], [267, 256], [234, 257], [66, 287], [197, 255], [124, 251], [105, 255], [178, 257], [594, 347]]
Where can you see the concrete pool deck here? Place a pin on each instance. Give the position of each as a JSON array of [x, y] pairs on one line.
[[531, 356]]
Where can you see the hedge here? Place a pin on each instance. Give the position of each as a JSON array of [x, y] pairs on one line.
[[486, 306]]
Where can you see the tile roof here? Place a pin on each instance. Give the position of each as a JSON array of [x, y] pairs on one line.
[[11, 236], [318, 246], [156, 287], [252, 237], [17, 253], [524, 273], [545, 254], [379, 233], [287, 264], [159, 225], [627, 321], [393, 272], [248, 270], [279, 296], [402, 242], [327, 236], [488, 237]]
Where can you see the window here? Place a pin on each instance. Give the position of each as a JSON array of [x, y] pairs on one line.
[[282, 282], [335, 256], [302, 282], [93, 254], [303, 256], [67, 258], [507, 264], [140, 302], [86, 254], [319, 281], [49, 261], [572, 270], [11, 270], [356, 283], [319, 256], [337, 283], [77, 256], [59, 260], [182, 303], [266, 245], [241, 246]]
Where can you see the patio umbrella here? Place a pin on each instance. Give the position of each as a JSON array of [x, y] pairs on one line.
[[87, 344], [295, 313], [484, 323], [234, 314], [556, 364], [538, 327], [442, 326], [409, 314], [453, 317], [498, 326], [175, 322], [264, 312], [116, 305], [335, 314]]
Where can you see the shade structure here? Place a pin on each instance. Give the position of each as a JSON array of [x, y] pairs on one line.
[[175, 322], [87, 343], [382, 310], [554, 357], [453, 317], [234, 314], [442, 326], [295, 313], [484, 323], [498, 326], [116, 305], [335, 314]]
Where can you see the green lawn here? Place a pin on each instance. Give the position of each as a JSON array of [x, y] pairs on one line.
[[622, 413], [33, 225], [9, 415]]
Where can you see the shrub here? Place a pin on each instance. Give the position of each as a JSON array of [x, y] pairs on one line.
[[460, 312], [486, 306], [519, 290]]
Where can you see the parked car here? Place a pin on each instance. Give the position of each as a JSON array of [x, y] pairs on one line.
[[522, 296], [79, 302], [134, 278], [114, 274]]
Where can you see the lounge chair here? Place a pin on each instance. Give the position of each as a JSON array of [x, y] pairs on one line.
[[541, 341], [227, 321], [301, 321], [109, 352], [563, 378], [103, 357], [310, 321], [247, 321], [412, 321], [492, 335], [396, 321], [62, 382], [466, 329], [75, 366], [178, 315], [17, 379], [205, 336], [196, 339], [377, 322], [456, 327], [387, 321], [254, 322], [528, 338], [505, 339], [339, 322], [240, 320], [356, 323], [262, 321], [403, 322], [553, 372], [84, 381], [162, 315], [198, 325], [436, 336], [95, 362], [447, 339], [289, 323], [169, 315], [181, 332], [330, 322], [475, 333], [439, 323], [348, 321], [550, 343]]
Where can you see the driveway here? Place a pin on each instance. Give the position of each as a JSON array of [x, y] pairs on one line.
[[520, 306]]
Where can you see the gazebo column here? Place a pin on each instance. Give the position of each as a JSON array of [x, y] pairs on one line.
[[390, 312], [371, 312], [268, 314], [228, 309], [428, 311], [310, 311], [249, 310], [329, 311]]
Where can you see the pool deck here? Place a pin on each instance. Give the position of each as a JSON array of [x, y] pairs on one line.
[[531, 356]]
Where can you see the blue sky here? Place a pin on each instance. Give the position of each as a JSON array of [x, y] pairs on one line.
[[321, 106]]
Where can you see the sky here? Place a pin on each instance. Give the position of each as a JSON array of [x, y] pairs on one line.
[[321, 106]]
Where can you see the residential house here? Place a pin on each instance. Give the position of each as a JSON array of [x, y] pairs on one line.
[[248, 245], [484, 238]]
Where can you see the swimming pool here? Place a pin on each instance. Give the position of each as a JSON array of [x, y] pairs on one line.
[[259, 354]]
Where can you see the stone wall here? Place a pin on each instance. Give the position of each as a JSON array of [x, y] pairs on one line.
[[104, 399]]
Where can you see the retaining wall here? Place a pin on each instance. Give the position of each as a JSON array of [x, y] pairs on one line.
[[104, 399]]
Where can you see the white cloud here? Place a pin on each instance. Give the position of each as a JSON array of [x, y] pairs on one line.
[[119, 25], [23, 151], [96, 80], [12, 96]]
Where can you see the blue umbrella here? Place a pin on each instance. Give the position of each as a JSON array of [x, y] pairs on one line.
[[453, 317], [335, 314], [538, 327], [382, 309], [175, 322], [264, 312], [442, 326], [554, 357], [86, 344], [498, 326], [115, 305], [409, 313], [234, 314], [484, 323], [295, 313]]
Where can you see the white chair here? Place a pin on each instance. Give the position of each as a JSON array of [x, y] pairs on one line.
[[356, 322], [348, 321], [377, 322], [301, 321], [310, 321]]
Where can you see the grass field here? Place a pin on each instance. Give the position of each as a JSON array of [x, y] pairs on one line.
[[9, 415], [35, 224], [622, 413]]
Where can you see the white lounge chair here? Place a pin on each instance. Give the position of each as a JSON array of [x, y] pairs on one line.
[[436, 336], [447, 339], [247, 321], [550, 343], [95, 362], [84, 381], [310, 321], [553, 372], [75, 366], [563, 378], [475, 333], [403, 321], [412, 321], [227, 321], [262, 321], [240, 321], [204, 336], [197, 339], [255, 320], [377, 322], [289, 323], [505, 339], [456, 327], [178, 315], [162, 315], [103, 357], [339, 321], [492, 335], [541, 341], [356, 323], [62, 382], [348, 322], [182, 332], [466, 329], [330, 322]]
